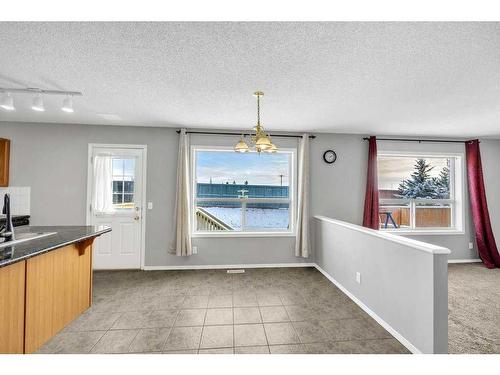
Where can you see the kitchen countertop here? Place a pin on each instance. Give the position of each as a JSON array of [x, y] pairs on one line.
[[65, 235]]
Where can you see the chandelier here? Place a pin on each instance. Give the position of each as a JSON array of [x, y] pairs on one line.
[[260, 140]]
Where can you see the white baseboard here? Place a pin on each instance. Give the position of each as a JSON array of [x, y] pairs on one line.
[[370, 312], [464, 260], [227, 266]]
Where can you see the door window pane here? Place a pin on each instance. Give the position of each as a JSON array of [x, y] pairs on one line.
[[123, 183]]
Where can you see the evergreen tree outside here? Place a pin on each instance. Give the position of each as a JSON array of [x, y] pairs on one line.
[[443, 183], [422, 185]]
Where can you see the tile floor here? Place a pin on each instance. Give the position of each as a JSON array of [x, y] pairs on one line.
[[276, 311]]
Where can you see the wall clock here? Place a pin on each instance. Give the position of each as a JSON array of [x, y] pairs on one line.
[[329, 156]]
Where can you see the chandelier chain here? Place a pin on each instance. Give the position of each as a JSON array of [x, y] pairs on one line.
[[258, 109]]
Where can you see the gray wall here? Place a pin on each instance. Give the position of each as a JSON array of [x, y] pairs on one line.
[[403, 285], [490, 157], [337, 190], [51, 158]]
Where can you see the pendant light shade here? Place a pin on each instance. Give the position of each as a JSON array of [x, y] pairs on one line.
[[263, 143], [7, 102], [67, 105], [38, 104], [241, 146]]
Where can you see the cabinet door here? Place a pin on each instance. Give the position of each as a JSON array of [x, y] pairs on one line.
[[58, 289], [4, 161], [12, 308]]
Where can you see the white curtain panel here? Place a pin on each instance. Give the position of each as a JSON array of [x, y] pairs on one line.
[[103, 183], [302, 225], [181, 244]]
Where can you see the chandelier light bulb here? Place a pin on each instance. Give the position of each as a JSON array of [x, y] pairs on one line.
[[7, 102], [38, 104]]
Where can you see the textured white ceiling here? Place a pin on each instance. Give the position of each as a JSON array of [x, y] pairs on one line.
[[440, 79]]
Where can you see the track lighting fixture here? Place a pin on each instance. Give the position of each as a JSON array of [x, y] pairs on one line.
[[7, 101]]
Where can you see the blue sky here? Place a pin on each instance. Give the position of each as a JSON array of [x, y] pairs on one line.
[[229, 166]]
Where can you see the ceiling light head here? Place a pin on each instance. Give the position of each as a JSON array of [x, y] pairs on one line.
[[263, 143], [38, 104], [241, 146], [67, 105], [7, 102]]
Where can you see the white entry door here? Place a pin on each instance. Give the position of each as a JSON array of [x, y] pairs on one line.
[[116, 200]]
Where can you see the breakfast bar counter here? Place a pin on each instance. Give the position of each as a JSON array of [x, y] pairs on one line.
[[45, 283]]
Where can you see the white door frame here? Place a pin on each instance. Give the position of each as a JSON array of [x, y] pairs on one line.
[[90, 174]]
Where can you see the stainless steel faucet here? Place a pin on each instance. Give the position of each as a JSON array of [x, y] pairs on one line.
[[7, 230]]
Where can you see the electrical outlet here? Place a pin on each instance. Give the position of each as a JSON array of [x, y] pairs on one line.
[[358, 277], [195, 249], [150, 205], [471, 245]]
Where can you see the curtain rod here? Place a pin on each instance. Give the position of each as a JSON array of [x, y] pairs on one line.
[[417, 140], [228, 133]]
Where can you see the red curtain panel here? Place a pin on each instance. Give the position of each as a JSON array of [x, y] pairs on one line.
[[370, 215], [487, 248]]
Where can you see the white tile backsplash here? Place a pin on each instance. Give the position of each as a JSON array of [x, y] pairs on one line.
[[19, 199]]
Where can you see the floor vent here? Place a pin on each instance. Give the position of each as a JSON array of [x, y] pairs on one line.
[[235, 271]]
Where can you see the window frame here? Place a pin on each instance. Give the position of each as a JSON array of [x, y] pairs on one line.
[[123, 193], [456, 200], [292, 199]]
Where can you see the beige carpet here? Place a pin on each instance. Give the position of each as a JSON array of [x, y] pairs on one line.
[[473, 309]]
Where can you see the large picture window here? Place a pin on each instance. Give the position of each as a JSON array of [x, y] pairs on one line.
[[242, 192], [420, 192]]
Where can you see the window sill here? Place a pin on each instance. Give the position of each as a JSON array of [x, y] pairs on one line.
[[426, 232], [242, 234]]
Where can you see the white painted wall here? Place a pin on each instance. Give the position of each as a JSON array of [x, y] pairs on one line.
[[404, 283]]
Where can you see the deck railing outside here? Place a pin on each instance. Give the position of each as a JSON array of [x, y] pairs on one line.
[[208, 222]]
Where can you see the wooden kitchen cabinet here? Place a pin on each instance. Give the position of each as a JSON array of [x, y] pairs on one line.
[[4, 162], [58, 289], [41, 295], [44, 285], [12, 282]]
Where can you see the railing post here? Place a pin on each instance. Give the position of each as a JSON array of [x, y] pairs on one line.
[[243, 214]]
